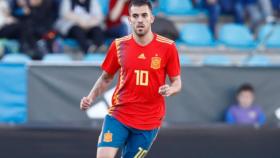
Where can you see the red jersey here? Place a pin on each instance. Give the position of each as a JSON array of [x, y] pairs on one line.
[[143, 69], [124, 12]]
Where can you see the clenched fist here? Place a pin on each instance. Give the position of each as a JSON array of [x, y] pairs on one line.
[[165, 90], [85, 103]]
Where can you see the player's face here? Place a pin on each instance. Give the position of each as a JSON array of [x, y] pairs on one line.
[[245, 99], [141, 18]]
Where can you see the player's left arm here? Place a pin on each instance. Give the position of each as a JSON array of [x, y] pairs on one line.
[[173, 88], [173, 71]]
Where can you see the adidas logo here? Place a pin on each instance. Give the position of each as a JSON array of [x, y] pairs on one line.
[[142, 56]]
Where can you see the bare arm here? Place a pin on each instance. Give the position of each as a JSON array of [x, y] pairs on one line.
[[96, 16], [117, 10], [99, 87], [174, 88]]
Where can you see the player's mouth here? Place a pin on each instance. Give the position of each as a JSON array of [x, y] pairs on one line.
[[140, 26]]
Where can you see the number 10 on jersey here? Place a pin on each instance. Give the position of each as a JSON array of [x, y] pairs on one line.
[[142, 77]]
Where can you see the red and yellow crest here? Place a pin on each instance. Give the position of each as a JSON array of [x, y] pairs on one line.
[[155, 63], [108, 137]]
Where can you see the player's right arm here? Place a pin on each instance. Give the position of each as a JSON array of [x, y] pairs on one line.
[[110, 66], [99, 87]]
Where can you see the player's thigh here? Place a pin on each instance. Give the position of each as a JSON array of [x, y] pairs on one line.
[[106, 152], [139, 143], [114, 134]]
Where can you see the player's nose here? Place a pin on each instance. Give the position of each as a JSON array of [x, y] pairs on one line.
[[140, 19]]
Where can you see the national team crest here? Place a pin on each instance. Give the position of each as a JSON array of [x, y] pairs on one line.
[[108, 137], [155, 64]]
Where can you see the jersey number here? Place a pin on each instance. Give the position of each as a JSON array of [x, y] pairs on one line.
[[142, 77]]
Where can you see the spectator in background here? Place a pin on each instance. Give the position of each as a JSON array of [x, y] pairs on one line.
[[56, 4], [82, 20], [170, 32], [37, 18], [245, 112], [39, 26], [161, 21], [115, 22], [267, 10], [216, 7], [20, 9], [276, 5], [259, 11], [9, 26]]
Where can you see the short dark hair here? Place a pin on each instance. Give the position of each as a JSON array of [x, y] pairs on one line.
[[141, 3], [245, 87]]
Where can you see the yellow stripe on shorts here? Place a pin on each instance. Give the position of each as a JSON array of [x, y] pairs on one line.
[[141, 153]]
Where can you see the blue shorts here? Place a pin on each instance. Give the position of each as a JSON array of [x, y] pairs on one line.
[[134, 143]]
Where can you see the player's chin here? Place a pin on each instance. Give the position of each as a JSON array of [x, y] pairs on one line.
[[140, 32]]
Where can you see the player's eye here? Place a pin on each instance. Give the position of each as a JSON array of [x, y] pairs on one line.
[[144, 15], [135, 15]]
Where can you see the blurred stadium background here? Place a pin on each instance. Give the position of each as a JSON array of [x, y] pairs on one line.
[[39, 96]]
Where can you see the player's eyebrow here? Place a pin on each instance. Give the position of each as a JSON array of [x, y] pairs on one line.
[[134, 14], [144, 14]]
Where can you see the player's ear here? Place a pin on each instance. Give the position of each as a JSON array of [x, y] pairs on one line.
[[129, 19], [152, 18]]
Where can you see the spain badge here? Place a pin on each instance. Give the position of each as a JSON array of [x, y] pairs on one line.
[[155, 63], [108, 137]]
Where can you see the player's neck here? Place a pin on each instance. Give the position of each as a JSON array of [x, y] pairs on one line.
[[143, 40]]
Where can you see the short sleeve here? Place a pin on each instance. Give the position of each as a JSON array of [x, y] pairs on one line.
[[173, 63], [111, 64]]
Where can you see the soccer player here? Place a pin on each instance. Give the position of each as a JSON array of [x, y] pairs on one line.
[[138, 108]]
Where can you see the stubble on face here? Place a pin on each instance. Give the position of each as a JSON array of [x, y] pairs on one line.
[[141, 19]]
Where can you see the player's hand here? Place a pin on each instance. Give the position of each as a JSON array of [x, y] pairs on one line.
[[85, 103], [165, 90]]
